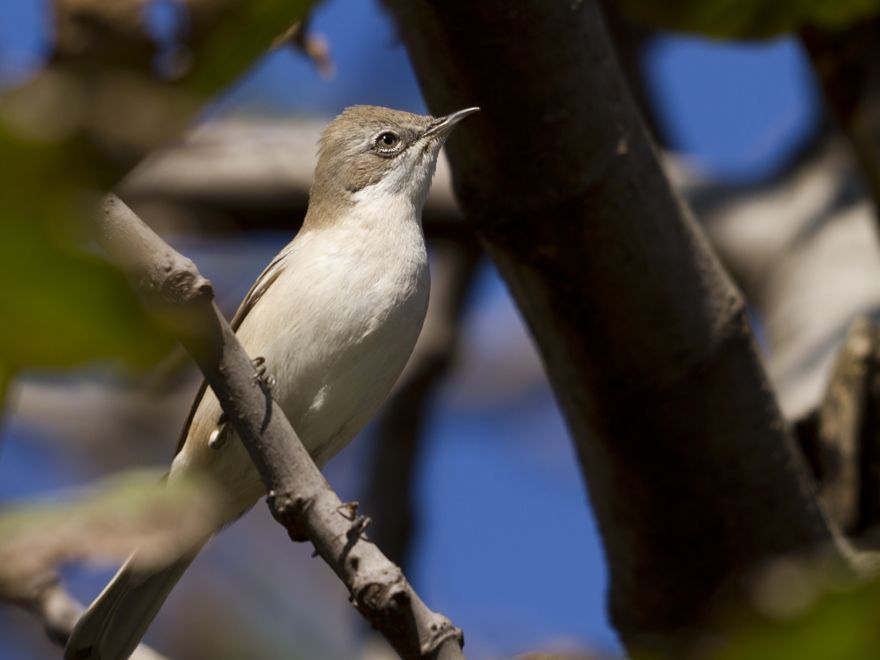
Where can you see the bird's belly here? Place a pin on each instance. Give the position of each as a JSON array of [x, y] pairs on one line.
[[332, 401], [334, 362]]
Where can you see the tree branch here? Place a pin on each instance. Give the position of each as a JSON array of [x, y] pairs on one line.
[[691, 469], [846, 63], [841, 438], [253, 175], [299, 496], [58, 612]]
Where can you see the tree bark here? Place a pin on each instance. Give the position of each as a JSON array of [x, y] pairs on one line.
[[691, 469], [846, 64]]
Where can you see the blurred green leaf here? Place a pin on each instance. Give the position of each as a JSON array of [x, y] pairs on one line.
[[64, 305], [842, 626], [244, 32], [67, 135], [749, 19], [121, 514]]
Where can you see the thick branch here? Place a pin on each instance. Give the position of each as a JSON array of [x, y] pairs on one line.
[[299, 496], [846, 64], [690, 466]]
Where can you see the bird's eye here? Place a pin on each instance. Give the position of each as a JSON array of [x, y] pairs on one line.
[[387, 141]]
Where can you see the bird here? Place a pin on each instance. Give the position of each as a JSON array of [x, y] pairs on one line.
[[332, 320]]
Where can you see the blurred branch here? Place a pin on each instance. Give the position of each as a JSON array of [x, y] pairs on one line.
[[400, 428], [692, 472], [299, 496], [108, 522], [58, 612], [313, 46], [252, 175], [804, 250], [111, 64], [842, 438], [847, 64]]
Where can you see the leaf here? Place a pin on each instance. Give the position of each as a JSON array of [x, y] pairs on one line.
[[749, 19], [809, 612], [67, 135], [121, 514], [235, 37], [63, 305]]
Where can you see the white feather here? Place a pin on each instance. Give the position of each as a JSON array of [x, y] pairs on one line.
[[336, 328]]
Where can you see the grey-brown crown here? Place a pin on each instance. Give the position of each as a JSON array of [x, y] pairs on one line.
[[351, 151], [360, 147]]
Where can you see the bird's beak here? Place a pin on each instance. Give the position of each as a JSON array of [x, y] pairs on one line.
[[442, 126]]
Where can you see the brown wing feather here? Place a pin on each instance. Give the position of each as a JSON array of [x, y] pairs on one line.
[[258, 288]]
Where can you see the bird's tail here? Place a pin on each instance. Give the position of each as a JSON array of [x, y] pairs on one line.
[[112, 627]]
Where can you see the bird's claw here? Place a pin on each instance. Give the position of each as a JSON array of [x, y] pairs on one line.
[[263, 375], [217, 438], [359, 523]]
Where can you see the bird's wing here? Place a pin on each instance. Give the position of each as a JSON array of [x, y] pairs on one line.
[[258, 288]]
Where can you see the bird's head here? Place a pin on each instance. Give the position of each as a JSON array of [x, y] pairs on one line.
[[369, 151]]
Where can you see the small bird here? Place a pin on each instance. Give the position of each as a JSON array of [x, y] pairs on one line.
[[332, 321]]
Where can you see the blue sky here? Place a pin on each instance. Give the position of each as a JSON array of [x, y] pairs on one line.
[[736, 110]]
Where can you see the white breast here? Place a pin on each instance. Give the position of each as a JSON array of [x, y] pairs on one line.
[[336, 329]]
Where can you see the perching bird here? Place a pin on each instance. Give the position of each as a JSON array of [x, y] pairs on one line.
[[333, 318]]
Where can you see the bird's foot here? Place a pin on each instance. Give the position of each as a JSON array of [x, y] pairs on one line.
[[263, 375], [359, 523], [218, 438]]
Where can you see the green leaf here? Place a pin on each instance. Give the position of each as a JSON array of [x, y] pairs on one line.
[[106, 524], [66, 136], [809, 613], [63, 304], [242, 32], [749, 19]]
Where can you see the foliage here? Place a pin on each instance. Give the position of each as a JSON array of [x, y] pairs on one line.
[[67, 135], [128, 512], [812, 617], [749, 19]]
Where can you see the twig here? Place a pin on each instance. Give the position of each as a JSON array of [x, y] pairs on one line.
[[58, 611], [299, 496], [840, 439], [313, 46]]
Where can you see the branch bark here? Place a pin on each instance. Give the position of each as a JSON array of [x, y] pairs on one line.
[[691, 469], [842, 437], [846, 63], [299, 496]]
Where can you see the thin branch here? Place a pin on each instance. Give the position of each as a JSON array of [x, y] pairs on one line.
[[254, 175], [840, 438], [301, 37], [58, 611], [299, 496]]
